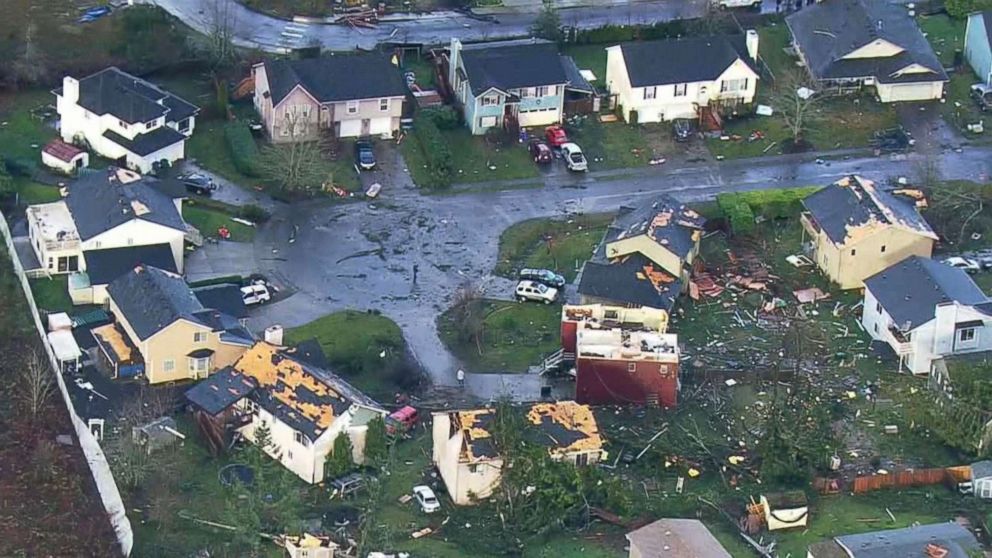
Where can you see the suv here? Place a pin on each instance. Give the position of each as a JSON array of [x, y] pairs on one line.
[[724, 4], [197, 184], [982, 94], [540, 152], [682, 130], [255, 294], [544, 276], [364, 155], [538, 292], [574, 159]]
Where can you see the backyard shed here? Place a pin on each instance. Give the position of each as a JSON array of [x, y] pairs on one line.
[[64, 157], [785, 510], [159, 433], [66, 350], [981, 479]]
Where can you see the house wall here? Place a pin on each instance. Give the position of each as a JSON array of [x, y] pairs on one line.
[[478, 111], [919, 91], [602, 381], [173, 343], [462, 483], [45, 254], [982, 487], [63, 166], [544, 110], [139, 232], [657, 253], [976, 48], [304, 460]]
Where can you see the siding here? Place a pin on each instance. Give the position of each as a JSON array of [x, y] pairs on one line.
[[976, 48]]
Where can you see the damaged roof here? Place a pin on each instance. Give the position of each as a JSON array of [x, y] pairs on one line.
[[512, 64], [854, 207], [632, 279], [676, 538], [911, 542], [336, 78], [911, 290], [684, 60], [478, 443], [221, 390], [565, 427], [100, 201], [665, 220]]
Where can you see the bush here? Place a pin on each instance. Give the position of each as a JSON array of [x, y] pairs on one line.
[[22, 167], [737, 212], [445, 118], [253, 213], [244, 151], [436, 152]]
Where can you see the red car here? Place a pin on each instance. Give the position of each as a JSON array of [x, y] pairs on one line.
[[540, 152], [401, 420], [555, 135]]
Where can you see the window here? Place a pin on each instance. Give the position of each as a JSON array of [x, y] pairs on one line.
[[883, 248], [130, 242], [582, 459], [967, 335], [631, 367], [97, 244], [199, 365], [854, 252], [525, 92], [168, 365], [352, 107], [876, 327], [384, 104], [733, 85], [473, 468], [650, 92], [491, 100], [122, 124], [299, 438], [199, 336], [681, 89], [250, 406], [184, 125], [878, 307], [542, 91], [611, 314]]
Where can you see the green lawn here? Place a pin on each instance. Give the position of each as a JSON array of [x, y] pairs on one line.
[[52, 294], [590, 57], [773, 39], [946, 35], [208, 221], [960, 109], [561, 245], [31, 193], [22, 134], [476, 160], [619, 145]]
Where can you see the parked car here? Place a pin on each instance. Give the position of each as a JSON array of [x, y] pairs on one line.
[[364, 155], [967, 264], [982, 94], [198, 184], [426, 499], [543, 276], [255, 294], [985, 262], [574, 159], [540, 152], [401, 420], [724, 4], [682, 130], [537, 292], [556, 136]]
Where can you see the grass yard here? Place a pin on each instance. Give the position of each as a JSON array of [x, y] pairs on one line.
[[31, 193], [960, 109], [946, 35], [52, 294], [209, 220], [773, 41], [22, 133], [475, 159], [561, 245], [619, 145], [589, 57]]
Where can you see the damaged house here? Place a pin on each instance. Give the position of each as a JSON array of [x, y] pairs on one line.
[[853, 229], [936, 540], [470, 464], [305, 408]]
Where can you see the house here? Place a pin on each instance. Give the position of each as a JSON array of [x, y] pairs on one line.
[[104, 265], [978, 45], [856, 229], [936, 540], [104, 209], [470, 464], [64, 157], [125, 118], [176, 336], [510, 84], [349, 95], [645, 256], [656, 81], [675, 538], [226, 297], [981, 479], [926, 310], [304, 408], [851, 44]]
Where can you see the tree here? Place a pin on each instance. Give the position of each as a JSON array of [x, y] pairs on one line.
[[298, 165], [340, 461], [962, 8], [468, 315], [263, 439], [954, 206], [220, 36], [36, 383], [794, 97], [713, 20], [30, 66], [376, 443], [548, 23]]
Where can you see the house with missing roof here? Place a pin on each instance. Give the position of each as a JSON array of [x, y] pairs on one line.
[[926, 310], [854, 44], [469, 461], [304, 406], [978, 45], [645, 256], [657, 81], [512, 84], [125, 118], [675, 538], [160, 318], [936, 540], [347, 95], [853, 229]]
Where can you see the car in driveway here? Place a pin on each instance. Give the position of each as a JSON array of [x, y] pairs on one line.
[[543, 276], [426, 499], [682, 130], [255, 294], [574, 159], [535, 292], [198, 184], [540, 152], [364, 155], [967, 264], [982, 94], [555, 135]]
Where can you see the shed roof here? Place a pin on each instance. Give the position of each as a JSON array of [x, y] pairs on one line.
[[62, 151], [676, 538], [981, 470]]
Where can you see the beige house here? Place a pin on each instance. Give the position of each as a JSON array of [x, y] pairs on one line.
[[176, 336], [349, 95], [854, 229]]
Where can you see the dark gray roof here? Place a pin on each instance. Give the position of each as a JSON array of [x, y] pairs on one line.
[[682, 60], [854, 201], [152, 299], [225, 297], [624, 282], [148, 143], [98, 202], [665, 220], [910, 542], [130, 98], [981, 470], [103, 266], [310, 352], [827, 31], [221, 390], [512, 64], [911, 290], [338, 77], [574, 76], [987, 20]]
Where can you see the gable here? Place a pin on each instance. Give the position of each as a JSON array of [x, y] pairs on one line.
[[879, 48], [141, 231], [912, 69], [298, 94], [739, 69]]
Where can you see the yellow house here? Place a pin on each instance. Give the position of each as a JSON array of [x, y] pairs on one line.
[[177, 337], [854, 229]]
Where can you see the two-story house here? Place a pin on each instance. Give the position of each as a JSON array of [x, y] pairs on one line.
[[926, 310], [350, 95], [176, 336], [850, 44], [125, 118], [304, 407], [508, 83], [853, 229], [655, 81]]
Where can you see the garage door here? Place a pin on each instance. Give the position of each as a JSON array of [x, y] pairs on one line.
[[350, 128], [912, 92], [380, 126], [538, 117]]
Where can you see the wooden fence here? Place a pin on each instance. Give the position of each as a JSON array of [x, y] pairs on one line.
[[917, 477]]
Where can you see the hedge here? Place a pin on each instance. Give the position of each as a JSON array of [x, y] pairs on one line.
[[436, 152], [445, 118], [741, 208], [244, 151], [737, 212]]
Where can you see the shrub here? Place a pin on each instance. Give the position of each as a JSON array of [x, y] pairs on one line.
[[244, 152], [436, 152], [775, 204], [737, 212], [445, 118], [22, 167]]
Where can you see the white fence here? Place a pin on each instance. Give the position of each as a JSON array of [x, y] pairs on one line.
[[95, 457]]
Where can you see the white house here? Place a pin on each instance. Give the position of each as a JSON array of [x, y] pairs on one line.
[[125, 118], [926, 310], [981, 479], [655, 81], [305, 407], [64, 157]]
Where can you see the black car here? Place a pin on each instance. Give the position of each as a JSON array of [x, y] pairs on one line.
[[543, 276], [198, 184], [364, 155]]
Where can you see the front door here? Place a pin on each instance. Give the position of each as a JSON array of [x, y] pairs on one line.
[[366, 126]]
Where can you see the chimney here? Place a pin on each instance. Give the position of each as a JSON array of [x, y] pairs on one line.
[[273, 335], [70, 89], [453, 56], [751, 40]]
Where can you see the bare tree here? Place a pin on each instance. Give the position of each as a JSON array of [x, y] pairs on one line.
[[37, 383], [298, 165], [220, 34], [956, 204], [468, 315], [30, 66], [794, 98]]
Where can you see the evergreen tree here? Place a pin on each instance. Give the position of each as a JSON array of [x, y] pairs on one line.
[[548, 23]]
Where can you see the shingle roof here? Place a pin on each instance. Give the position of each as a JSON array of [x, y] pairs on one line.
[[574, 76], [910, 542], [221, 390], [152, 299], [682, 60], [338, 77], [62, 151], [512, 64], [146, 144], [665, 220], [224, 297], [981, 470], [829, 30], [626, 281], [130, 98], [676, 538], [98, 201], [911, 290], [854, 201], [103, 266]]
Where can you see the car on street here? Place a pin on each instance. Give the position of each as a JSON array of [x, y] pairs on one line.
[[967, 264], [544, 276], [198, 184], [556, 136], [536, 292], [982, 94], [426, 499], [540, 152], [574, 159], [724, 4], [255, 294], [364, 155]]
